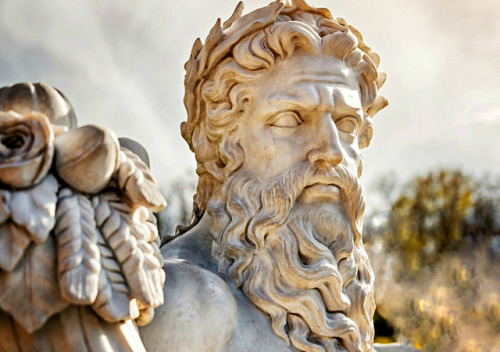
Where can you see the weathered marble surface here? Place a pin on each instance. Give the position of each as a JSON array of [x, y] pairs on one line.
[[280, 103], [279, 106], [80, 265]]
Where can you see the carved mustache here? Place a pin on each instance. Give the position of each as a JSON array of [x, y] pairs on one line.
[[338, 175], [275, 198], [305, 174]]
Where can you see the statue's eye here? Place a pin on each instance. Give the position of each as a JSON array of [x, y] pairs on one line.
[[287, 119], [348, 124]]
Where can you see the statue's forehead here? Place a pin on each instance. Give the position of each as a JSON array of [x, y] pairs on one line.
[[302, 73], [313, 64], [311, 86], [312, 89]]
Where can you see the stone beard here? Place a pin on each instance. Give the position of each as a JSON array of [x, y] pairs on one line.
[[279, 105], [302, 264]]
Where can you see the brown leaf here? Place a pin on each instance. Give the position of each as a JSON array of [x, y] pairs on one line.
[[13, 242], [35, 208], [30, 293], [137, 183], [77, 252]]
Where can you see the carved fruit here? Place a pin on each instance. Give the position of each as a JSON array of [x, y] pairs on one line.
[[26, 97], [87, 157], [26, 148]]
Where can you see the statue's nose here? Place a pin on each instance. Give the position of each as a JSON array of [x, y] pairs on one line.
[[328, 150]]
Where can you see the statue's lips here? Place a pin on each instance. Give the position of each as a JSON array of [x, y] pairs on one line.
[[320, 192]]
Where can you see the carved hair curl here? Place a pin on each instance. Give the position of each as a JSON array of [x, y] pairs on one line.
[[242, 50]]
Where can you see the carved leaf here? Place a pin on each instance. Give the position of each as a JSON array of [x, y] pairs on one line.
[[112, 302], [195, 50], [151, 292], [4, 206], [78, 255], [30, 293], [238, 11], [378, 104], [214, 37], [137, 183], [147, 234], [35, 208], [13, 242], [128, 238]]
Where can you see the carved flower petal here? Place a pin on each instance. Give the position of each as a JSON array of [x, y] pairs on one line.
[[26, 148], [22, 173]]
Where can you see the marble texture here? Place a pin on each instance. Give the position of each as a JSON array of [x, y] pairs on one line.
[[280, 103], [80, 266]]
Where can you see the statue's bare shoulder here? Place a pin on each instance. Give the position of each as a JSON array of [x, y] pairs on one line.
[[204, 310], [200, 311]]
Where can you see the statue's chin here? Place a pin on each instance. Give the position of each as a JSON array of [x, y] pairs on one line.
[[320, 193]]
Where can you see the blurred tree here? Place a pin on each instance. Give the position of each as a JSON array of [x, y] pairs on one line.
[[432, 248], [428, 217], [483, 221]]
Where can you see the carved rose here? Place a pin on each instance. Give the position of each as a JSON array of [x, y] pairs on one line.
[[26, 148]]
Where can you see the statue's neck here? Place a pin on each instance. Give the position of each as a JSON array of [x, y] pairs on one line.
[[194, 245]]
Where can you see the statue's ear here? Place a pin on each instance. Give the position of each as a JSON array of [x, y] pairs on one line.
[[206, 154], [366, 133]]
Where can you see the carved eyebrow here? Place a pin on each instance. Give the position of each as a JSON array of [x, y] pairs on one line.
[[291, 102], [342, 107], [303, 99]]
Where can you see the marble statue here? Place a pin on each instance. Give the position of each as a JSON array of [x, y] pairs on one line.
[[80, 265], [280, 103]]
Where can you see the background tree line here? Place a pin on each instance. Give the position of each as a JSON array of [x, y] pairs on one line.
[[434, 243]]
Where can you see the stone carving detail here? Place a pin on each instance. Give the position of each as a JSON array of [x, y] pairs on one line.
[[78, 239], [280, 101], [27, 149]]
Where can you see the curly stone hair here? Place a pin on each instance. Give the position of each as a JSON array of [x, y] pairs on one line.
[[244, 48]]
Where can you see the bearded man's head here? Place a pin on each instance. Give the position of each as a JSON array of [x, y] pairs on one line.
[[279, 104]]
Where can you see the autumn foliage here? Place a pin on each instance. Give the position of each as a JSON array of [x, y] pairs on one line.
[[435, 252]]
